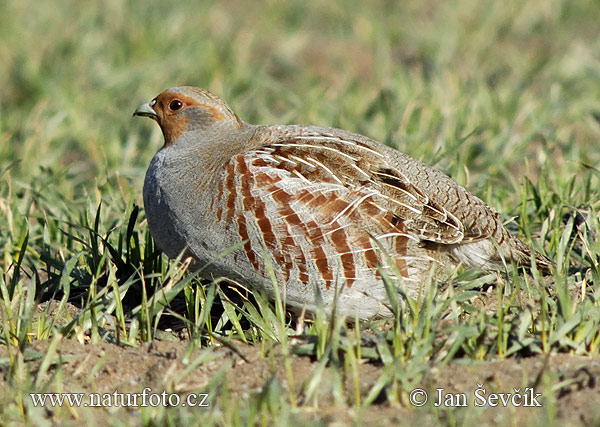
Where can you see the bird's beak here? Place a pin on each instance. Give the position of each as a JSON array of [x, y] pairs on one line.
[[145, 110]]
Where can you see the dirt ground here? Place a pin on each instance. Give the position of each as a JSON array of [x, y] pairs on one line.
[[167, 364]]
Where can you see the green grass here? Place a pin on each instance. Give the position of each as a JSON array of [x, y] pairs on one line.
[[502, 96]]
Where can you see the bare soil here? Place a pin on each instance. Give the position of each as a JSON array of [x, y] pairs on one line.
[[244, 370]]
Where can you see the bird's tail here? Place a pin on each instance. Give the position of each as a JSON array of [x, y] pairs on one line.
[[527, 257]]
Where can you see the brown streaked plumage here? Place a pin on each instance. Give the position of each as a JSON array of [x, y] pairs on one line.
[[327, 211]]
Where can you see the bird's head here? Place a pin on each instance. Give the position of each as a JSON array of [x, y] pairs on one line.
[[187, 109]]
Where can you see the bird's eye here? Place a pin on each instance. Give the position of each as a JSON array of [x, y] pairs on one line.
[[175, 105]]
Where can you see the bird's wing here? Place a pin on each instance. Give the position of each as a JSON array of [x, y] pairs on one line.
[[356, 162]]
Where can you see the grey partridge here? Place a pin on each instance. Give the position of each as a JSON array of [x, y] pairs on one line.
[[321, 211]]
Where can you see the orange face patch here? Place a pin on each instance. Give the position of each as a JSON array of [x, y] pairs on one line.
[[173, 129], [174, 124]]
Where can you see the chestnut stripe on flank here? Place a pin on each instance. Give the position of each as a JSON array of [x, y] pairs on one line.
[[400, 253], [267, 235], [243, 232], [269, 238], [293, 222], [323, 265], [265, 226], [316, 239], [340, 241], [400, 246], [315, 234], [247, 203], [230, 185]]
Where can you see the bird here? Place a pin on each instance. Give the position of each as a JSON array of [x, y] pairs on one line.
[[317, 216]]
